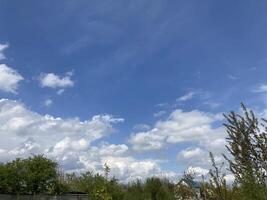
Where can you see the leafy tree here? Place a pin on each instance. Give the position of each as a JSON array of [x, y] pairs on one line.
[[135, 191], [116, 190], [247, 145], [152, 187], [217, 188], [15, 176], [41, 175], [156, 189], [97, 186], [33, 175]]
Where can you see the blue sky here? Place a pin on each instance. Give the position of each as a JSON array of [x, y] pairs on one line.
[[148, 66]]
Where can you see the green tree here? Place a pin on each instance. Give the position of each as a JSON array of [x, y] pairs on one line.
[[157, 189], [41, 175], [135, 191], [152, 187], [33, 175], [247, 145], [15, 174], [217, 188]]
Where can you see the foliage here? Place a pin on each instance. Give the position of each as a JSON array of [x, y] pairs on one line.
[[216, 188], [247, 144], [135, 191], [157, 189], [34, 175]]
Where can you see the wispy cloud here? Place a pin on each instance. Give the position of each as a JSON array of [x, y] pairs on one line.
[[48, 102], [159, 113], [141, 127], [187, 96], [261, 88], [2, 48], [232, 77]]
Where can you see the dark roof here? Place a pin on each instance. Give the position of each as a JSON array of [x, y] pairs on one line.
[[191, 183]]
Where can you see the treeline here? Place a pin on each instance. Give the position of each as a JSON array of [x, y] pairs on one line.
[[247, 161], [39, 175]]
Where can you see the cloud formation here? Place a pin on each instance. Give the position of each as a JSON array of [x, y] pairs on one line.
[[187, 96], [2, 48], [192, 126], [48, 102], [261, 88], [54, 81], [9, 79], [71, 142], [17, 120], [196, 132]]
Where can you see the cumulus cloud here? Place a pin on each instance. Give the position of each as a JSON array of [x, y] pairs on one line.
[[55, 81], [123, 165], [198, 156], [197, 131], [179, 127], [17, 123], [192, 155], [78, 156], [71, 142], [9, 79], [2, 48]]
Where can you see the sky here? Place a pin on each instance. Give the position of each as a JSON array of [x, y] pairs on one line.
[[140, 85]]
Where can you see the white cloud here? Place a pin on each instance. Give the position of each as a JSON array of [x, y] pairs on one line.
[[261, 88], [195, 130], [193, 126], [112, 149], [54, 81], [159, 113], [211, 104], [141, 127], [123, 165], [198, 172], [48, 102], [191, 153], [18, 121], [230, 178], [60, 91], [193, 156], [187, 96], [9, 79], [69, 142], [147, 141], [204, 97], [160, 105], [232, 77], [2, 48]]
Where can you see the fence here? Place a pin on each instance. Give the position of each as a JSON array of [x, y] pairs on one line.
[[44, 197]]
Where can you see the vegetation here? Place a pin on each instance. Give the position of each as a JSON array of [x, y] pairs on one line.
[[247, 161], [31, 176]]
